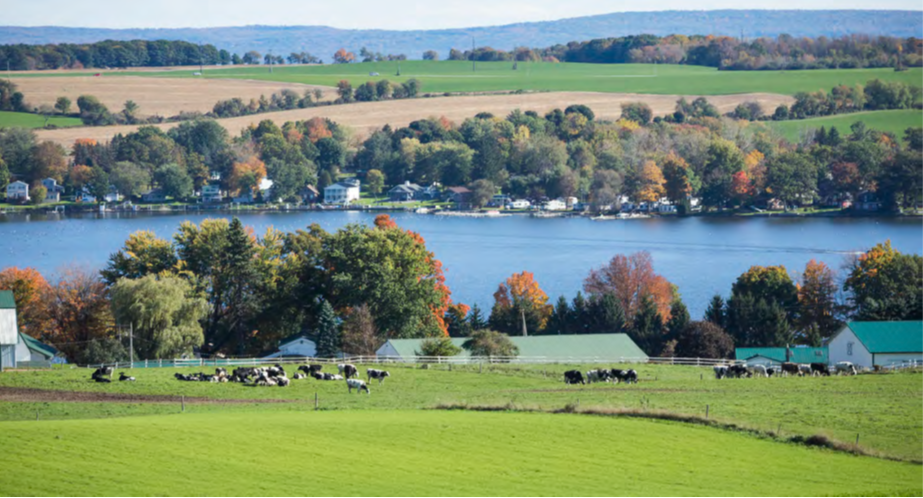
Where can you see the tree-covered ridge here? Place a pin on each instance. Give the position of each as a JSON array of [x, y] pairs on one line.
[[111, 54]]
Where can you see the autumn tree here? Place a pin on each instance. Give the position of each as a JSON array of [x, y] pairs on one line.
[[29, 288], [650, 182], [630, 279], [359, 335], [520, 303], [78, 313], [342, 56], [883, 284], [164, 314], [345, 91], [246, 176], [679, 178], [817, 313]]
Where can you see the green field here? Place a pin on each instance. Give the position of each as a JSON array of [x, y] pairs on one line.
[[457, 76], [405, 453], [891, 121], [27, 120], [885, 410]]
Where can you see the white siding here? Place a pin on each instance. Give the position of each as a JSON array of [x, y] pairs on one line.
[[300, 347], [845, 346], [387, 350], [888, 359], [7, 356], [9, 333]]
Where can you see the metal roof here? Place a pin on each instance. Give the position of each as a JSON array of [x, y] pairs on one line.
[[796, 354], [609, 346], [36, 346], [889, 337], [6, 300]]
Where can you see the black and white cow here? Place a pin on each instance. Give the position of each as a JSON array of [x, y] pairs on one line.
[[377, 374], [600, 375], [573, 377], [102, 379], [846, 367], [102, 372], [348, 370], [738, 371], [310, 369], [820, 369], [358, 385], [789, 368], [123, 377], [804, 369], [629, 376], [721, 371]]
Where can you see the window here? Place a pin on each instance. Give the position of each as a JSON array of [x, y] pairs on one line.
[[849, 348]]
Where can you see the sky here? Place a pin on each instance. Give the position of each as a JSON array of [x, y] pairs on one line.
[[365, 14]]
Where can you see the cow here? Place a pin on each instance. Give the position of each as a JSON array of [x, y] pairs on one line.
[[804, 369], [629, 377], [299, 376], [846, 367], [102, 379], [757, 370], [276, 370], [348, 370], [123, 377], [721, 371], [601, 375], [358, 385], [377, 374], [282, 381], [221, 373], [103, 372], [573, 377], [615, 374], [820, 369], [738, 371], [310, 369], [790, 368]]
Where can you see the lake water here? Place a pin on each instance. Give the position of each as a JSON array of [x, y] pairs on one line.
[[702, 256]]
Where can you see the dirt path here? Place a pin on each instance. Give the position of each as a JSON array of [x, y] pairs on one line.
[[367, 116], [28, 395]]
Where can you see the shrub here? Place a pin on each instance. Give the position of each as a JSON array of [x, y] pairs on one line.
[[490, 343], [438, 346]]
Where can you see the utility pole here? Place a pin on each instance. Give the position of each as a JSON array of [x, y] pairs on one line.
[[131, 344], [525, 331]]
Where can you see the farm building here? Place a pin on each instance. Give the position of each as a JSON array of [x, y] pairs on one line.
[[608, 347], [866, 344], [32, 352], [776, 356], [297, 345], [9, 331]]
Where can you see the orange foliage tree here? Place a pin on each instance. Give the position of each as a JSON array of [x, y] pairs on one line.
[[817, 303], [630, 279], [246, 176], [78, 312], [342, 56], [650, 182], [28, 286], [316, 129], [519, 299]]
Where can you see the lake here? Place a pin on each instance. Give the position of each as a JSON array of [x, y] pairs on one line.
[[701, 255]]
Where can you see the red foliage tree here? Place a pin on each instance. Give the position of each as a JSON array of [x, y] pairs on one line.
[[629, 279]]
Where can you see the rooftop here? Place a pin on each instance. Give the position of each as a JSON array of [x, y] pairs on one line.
[[889, 337], [610, 346]]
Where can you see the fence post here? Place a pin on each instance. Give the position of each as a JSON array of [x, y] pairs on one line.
[[316, 405], [706, 412], [145, 363]]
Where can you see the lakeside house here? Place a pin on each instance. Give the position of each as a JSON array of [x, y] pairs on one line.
[[308, 194], [212, 193], [575, 347], [461, 196], [112, 195], [405, 192], [886, 344], [342, 192], [248, 198], [154, 195], [54, 190], [17, 191], [868, 202], [773, 357], [519, 204], [554, 205]]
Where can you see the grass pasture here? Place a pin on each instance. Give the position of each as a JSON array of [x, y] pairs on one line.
[[885, 410], [27, 120], [382, 453], [891, 121], [457, 76]]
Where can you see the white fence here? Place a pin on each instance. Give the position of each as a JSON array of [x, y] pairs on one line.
[[449, 360]]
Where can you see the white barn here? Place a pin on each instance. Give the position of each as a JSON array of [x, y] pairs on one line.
[[298, 345], [9, 331], [867, 344]]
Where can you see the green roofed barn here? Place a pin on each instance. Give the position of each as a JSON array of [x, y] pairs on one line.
[[9, 332], [887, 344], [583, 347], [776, 356]]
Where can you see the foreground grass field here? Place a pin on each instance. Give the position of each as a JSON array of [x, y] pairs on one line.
[[885, 410], [422, 453], [457, 76], [891, 121], [26, 120]]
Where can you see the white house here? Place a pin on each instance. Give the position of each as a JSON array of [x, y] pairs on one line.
[[867, 344], [298, 345], [112, 195], [555, 205], [520, 204], [17, 191], [212, 192], [342, 192], [9, 332], [54, 190], [247, 198]]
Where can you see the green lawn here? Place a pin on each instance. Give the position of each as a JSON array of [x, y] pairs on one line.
[[893, 121], [26, 120], [404, 453], [885, 410], [457, 76]]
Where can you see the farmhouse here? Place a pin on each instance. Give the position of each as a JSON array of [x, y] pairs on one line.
[[308, 194], [582, 347], [342, 192], [867, 344], [212, 192], [405, 192], [297, 345], [9, 332], [773, 357]]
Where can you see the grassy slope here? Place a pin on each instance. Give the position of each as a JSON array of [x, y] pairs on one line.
[[26, 120], [886, 410], [893, 121], [422, 453], [456, 76]]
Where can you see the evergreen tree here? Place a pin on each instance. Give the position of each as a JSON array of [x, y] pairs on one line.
[[647, 329], [606, 315], [679, 318], [560, 318], [328, 334], [476, 318], [821, 136], [715, 313], [239, 280], [578, 315], [833, 137]]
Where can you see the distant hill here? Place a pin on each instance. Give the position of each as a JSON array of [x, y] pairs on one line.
[[323, 41]]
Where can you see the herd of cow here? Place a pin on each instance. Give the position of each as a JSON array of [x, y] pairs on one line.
[[800, 369], [267, 376], [601, 375]]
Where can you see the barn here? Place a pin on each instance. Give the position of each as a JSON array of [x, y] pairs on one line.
[[296, 345], [31, 352], [582, 347], [887, 344], [9, 332], [773, 357]]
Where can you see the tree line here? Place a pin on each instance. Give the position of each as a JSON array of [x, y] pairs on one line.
[[110, 54], [723, 52]]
